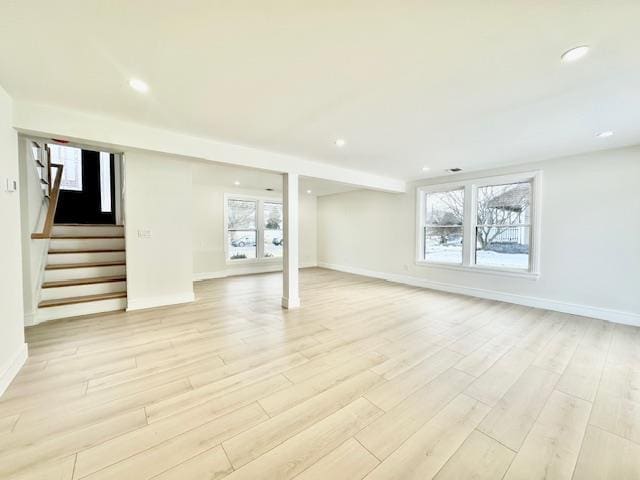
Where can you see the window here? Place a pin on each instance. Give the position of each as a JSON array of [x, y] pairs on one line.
[[273, 238], [242, 228], [443, 226], [105, 182], [71, 159], [253, 229], [503, 225], [488, 223]]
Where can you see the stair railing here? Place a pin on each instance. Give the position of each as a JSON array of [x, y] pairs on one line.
[[53, 204]]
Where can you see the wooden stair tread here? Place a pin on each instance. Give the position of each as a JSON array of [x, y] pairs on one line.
[[87, 298], [85, 281], [84, 237], [75, 250], [87, 225], [61, 266]]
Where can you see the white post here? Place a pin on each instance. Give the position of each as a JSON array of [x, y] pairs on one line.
[[290, 297]]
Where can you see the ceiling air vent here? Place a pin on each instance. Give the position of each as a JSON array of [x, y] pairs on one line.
[[453, 170]]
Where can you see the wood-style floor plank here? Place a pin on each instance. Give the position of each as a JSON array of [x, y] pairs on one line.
[[368, 379], [426, 452], [605, 456], [480, 457], [551, 448]]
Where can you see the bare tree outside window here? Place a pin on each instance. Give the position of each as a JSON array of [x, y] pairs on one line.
[[503, 225], [273, 237], [443, 231], [487, 222]]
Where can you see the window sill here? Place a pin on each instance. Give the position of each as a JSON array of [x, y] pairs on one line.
[[478, 269], [255, 261]]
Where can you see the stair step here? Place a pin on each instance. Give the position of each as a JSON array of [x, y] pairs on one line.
[[83, 256], [55, 251], [85, 237], [84, 299], [60, 266], [80, 290], [82, 242], [84, 281], [93, 231], [80, 309], [86, 225]]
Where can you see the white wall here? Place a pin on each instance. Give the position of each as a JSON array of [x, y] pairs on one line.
[[590, 252], [13, 350], [158, 198], [208, 227]]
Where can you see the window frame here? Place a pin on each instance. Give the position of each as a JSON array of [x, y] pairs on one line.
[[470, 220], [260, 201]]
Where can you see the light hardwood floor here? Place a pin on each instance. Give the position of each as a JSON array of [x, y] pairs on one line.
[[368, 379]]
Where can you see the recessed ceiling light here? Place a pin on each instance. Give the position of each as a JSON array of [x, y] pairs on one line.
[[236, 183], [308, 191], [340, 142], [606, 134], [575, 53], [425, 169], [138, 85]]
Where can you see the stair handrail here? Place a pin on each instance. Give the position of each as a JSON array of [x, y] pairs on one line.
[[53, 204]]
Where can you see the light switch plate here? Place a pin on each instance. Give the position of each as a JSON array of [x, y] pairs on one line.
[[12, 185]]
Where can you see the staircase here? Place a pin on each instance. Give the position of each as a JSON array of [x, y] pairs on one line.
[[85, 272]]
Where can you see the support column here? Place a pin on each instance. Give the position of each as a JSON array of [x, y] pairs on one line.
[[290, 295]]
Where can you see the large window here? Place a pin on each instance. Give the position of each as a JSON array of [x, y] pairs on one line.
[[443, 236], [71, 158], [253, 229], [273, 238], [488, 223], [503, 225]]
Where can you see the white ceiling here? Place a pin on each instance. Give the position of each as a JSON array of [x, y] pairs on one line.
[[464, 83], [225, 176]]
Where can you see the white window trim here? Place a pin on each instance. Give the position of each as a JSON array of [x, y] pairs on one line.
[[470, 187], [260, 258]]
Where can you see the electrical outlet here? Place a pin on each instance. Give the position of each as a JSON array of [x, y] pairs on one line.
[[146, 233]]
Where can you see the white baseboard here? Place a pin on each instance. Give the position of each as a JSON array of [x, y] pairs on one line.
[[160, 301], [30, 319], [616, 316], [11, 368], [245, 270], [290, 303]]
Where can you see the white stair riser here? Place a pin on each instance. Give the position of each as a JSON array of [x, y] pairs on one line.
[[58, 258], [89, 272], [79, 231], [86, 243], [65, 311], [82, 290]]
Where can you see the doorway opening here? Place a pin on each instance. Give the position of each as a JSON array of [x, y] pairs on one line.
[[90, 185]]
